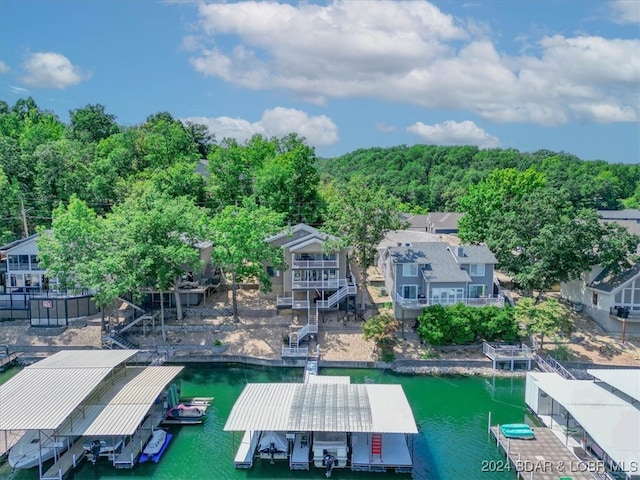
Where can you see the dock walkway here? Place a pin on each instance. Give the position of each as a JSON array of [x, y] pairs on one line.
[[8, 359], [545, 458], [67, 461]]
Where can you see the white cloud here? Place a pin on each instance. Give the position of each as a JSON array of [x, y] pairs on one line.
[[18, 90], [319, 130], [51, 70], [454, 133], [625, 11], [412, 52], [4, 68], [384, 128]]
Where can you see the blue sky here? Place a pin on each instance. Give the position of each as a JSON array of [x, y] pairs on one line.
[[557, 75]]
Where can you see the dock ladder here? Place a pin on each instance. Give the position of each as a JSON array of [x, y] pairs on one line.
[[376, 446]]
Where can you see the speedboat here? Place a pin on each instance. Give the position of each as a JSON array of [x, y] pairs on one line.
[[517, 430], [35, 446], [158, 437], [100, 447], [186, 411]]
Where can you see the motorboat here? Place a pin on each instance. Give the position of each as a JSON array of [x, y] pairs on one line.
[[273, 445], [182, 411], [158, 437], [517, 430], [35, 446], [100, 447], [155, 446]]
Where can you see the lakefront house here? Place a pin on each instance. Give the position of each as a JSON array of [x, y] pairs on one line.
[[421, 274]]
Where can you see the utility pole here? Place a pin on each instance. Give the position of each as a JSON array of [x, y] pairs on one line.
[[24, 217]]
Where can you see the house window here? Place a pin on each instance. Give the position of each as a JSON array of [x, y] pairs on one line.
[[594, 299], [410, 270], [272, 272], [410, 292], [35, 265], [476, 269], [447, 296], [475, 291]]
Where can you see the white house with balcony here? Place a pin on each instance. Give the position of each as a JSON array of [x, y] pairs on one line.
[[421, 274], [317, 280]]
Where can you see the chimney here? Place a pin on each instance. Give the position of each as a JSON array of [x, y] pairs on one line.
[[460, 251]]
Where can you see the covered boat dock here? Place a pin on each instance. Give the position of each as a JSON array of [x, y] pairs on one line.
[[360, 426], [87, 394]]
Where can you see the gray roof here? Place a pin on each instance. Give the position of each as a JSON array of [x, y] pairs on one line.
[[417, 221], [439, 263], [606, 281], [322, 407], [476, 254], [444, 220], [17, 243], [627, 214]]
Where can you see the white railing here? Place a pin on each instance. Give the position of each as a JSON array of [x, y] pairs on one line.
[[290, 302], [315, 263], [295, 351], [337, 296], [417, 303], [319, 284], [506, 351]]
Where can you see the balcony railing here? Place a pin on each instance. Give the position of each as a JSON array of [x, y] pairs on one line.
[[315, 264], [319, 284], [289, 302], [419, 303]]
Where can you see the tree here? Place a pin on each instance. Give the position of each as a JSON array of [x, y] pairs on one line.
[[91, 124], [544, 318], [150, 241], [239, 247], [10, 209], [382, 329], [361, 216], [68, 250], [288, 182], [538, 236], [233, 169]]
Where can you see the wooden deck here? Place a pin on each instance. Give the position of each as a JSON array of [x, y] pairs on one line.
[[545, 458], [67, 461], [6, 360]]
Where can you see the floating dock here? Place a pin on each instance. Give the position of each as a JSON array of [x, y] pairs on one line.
[[544, 457]]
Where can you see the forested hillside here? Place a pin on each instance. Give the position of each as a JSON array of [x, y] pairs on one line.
[[434, 178]]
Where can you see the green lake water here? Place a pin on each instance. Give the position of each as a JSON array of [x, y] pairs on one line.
[[451, 413]]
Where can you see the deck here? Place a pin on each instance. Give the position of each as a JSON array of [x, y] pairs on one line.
[[248, 445], [8, 359], [394, 455], [67, 461], [545, 457], [508, 354]]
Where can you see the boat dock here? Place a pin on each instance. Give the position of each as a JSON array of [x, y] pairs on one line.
[[67, 461], [511, 355], [544, 458], [245, 454], [129, 454]]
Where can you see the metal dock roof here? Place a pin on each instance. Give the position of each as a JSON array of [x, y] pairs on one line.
[[625, 380], [612, 422], [322, 407], [54, 387]]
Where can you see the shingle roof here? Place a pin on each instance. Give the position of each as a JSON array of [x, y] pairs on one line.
[[438, 264], [607, 282], [627, 214]]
